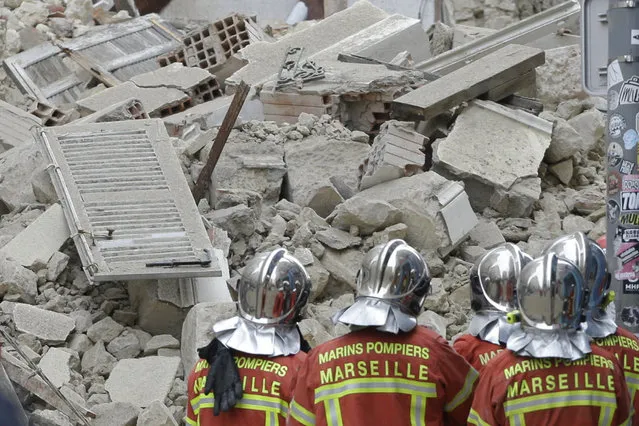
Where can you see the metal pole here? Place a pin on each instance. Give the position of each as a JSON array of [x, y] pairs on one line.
[[623, 169]]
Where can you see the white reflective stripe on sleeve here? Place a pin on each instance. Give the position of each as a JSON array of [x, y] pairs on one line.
[[465, 392], [301, 414]]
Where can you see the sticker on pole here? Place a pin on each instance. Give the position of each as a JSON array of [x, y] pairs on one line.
[[614, 73], [634, 36], [630, 316], [628, 254], [629, 94], [615, 154], [616, 125], [630, 139], [630, 193]]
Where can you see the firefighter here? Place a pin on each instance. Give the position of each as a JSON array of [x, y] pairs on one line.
[[551, 374], [387, 370], [600, 325], [493, 280], [245, 376]]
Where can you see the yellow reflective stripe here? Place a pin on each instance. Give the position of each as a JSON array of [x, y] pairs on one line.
[[263, 403], [517, 420], [605, 416], [190, 422], [475, 419], [301, 414], [559, 399], [465, 391], [333, 412], [202, 401], [375, 385], [272, 419], [418, 410]]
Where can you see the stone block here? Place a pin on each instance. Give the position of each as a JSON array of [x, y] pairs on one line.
[[106, 330], [197, 330], [40, 240], [311, 162], [17, 281], [487, 235], [50, 327], [115, 414], [97, 360], [559, 79], [508, 150], [142, 381], [156, 414], [163, 341]]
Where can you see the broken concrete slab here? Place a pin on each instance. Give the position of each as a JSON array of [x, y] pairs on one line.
[[47, 326], [368, 215], [56, 265], [97, 360], [396, 147], [17, 167], [56, 364], [423, 199], [312, 161], [486, 235], [142, 381], [40, 240], [159, 342], [16, 126], [251, 165], [156, 316], [265, 59], [129, 109], [560, 78], [562, 171], [175, 76], [154, 99], [106, 330], [156, 414], [115, 414], [17, 281], [337, 239], [50, 418], [197, 330], [497, 69], [343, 265], [509, 149]]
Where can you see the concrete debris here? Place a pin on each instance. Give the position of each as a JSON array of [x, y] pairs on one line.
[[493, 160], [128, 380], [40, 240], [318, 168], [57, 365], [156, 414], [397, 147], [116, 414], [50, 327], [312, 162]]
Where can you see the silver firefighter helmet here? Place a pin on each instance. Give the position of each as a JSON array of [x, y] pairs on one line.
[[551, 294], [493, 279], [274, 289], [590, 258], [397, 273]]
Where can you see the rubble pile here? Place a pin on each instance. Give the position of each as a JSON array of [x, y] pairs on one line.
[[371, 129]]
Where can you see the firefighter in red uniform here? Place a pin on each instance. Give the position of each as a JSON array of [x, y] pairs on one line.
[[388, 370], [492, 295], [247, 373], [551, 375], [600, 325]]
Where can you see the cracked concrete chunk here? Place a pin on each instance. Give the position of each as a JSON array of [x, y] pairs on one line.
[[16, 280], [197, 330], [337, 239], [115, 414], [416, 197], [125, 346], [142, 381], [106, 330], [156, 414], [434, 321], [56, 265], [487, 235], [175, 76], [49, 418], [47, 326], [57, 364], [369, 215], [97, 360], [163, 341], [509, 148], [153, 99], [311, 163]]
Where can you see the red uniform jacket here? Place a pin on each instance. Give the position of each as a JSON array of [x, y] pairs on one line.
[[370, 377], [625, 346], [268, 386], [515, 390], [476, 351]]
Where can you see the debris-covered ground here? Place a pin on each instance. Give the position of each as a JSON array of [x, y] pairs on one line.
[[377, 130]]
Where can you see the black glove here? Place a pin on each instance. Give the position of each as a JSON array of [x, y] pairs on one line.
[[304, 346], [223, 377]]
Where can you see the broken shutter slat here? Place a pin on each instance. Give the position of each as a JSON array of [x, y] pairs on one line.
[[132, 202], [125, 49]]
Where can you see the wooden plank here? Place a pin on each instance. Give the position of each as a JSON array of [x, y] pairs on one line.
[[469, 82]]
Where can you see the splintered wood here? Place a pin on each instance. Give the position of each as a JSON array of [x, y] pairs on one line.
[[494, 73]]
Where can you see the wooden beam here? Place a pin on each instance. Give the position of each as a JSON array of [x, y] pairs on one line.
[[467, 83], [204, 179]]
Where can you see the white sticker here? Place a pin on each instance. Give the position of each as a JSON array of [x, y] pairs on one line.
[[614, 73], [634, 36]]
